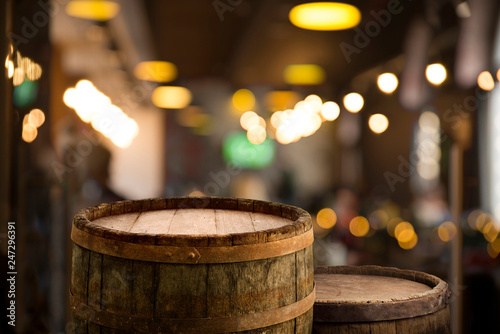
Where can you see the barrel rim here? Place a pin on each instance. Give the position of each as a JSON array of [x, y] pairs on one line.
[[300, 221], [418, 305]]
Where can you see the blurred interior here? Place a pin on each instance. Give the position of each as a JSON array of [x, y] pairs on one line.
[[407, 176]]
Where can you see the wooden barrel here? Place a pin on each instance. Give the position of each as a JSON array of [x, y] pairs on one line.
[[372, 299], [192, 265]]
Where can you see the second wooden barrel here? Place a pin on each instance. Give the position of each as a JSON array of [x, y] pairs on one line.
[[192, 265], [372, 299]]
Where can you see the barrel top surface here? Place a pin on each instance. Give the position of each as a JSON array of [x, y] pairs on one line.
[[341, 288], [192, 222], [374, 293]]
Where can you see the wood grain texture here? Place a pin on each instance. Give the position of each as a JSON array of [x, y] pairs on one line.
[[133, 288], [80, 272], [117, 280], [384, 295]]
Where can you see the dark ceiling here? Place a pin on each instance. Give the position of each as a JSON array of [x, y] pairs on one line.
[[251, 42]]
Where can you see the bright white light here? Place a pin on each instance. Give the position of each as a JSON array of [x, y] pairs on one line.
[[95, 108], [387, 82], [435, 73], [353, 102], [256, 134], [314, 102], [378, 123], [330, 111]]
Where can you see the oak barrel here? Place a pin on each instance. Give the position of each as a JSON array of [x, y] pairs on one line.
[[192, 265], [373, 299]]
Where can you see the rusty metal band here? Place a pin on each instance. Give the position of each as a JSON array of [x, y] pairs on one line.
[[191, 255], [192, 325]]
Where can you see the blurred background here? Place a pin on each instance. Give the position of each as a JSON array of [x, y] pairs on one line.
[[380, 118]]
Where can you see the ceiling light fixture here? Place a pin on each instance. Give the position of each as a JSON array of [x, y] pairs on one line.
[[93, 10], [325, 16]]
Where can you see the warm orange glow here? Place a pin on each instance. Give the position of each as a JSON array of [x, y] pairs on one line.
[[281, 99], [243, 100], [401, 228], [410, 244], [490, 231], [196, 193], [99, 10], [326, 218], [391, 225], [447, 231], [36, 117], [29, 133], [304, 74], [495, 245], [359, 226], [157, 71], [485, 81], [171, 97]]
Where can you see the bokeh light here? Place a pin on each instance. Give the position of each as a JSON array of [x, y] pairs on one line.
[[326, 218], [95, 10], [10, 69], [409, 244], [314, 102], [353, 102], [359, 226], [490, 231], [428, 121], [36, 117], [93, 107], [485, 81], [29, 133], [248, 119], [256, 134], [304, 74], [402, 230], [171, 97], [387, 82], [243, 100], [25, 94], [157, 71], [391, 225], [378, 123], [492, 252], [240, 152], [330, 111], [281, 99], [447, 231], [325, 16], [435, 73]]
